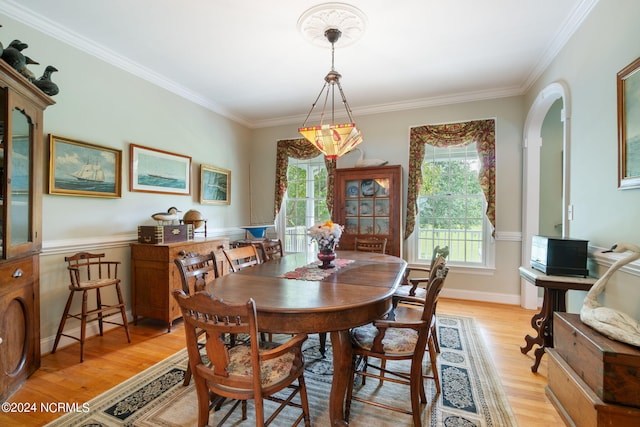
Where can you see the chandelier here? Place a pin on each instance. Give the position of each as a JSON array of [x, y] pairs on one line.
[[330, 138]]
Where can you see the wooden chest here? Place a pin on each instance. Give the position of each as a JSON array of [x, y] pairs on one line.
[[159, 234], [610, 368], [578, 404]]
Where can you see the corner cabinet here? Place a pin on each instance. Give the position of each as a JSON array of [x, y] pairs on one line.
[[368, 202], [21, 186]]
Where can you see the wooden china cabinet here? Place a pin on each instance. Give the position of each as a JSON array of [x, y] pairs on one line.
[[368, 202], [21, 186]]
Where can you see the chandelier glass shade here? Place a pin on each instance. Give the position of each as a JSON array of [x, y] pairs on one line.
[[332, 139]]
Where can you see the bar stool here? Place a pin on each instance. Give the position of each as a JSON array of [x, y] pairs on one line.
[[88, 272]]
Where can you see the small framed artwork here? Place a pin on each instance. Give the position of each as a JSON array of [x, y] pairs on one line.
[[78, 168], [215, 185], [157, 171], [628, 83]]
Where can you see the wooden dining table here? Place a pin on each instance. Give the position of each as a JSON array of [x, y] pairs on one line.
[[350, 296]]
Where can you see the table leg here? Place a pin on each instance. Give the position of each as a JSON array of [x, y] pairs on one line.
[[342, 353], [553, 300], [535, 324]]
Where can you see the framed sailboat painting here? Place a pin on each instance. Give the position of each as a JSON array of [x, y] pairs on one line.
[[78, 168]]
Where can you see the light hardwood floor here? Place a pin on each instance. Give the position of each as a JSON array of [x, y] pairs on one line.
[[109, 360]]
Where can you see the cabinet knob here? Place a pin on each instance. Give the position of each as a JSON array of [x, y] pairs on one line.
[[17, 273], [182, 253], [0, 340]]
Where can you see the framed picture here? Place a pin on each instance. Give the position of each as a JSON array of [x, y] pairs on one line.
[[157, 171], [629, 126], [215, 185], [79, 168]]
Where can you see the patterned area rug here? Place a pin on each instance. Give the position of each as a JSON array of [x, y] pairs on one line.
[[472, 395]]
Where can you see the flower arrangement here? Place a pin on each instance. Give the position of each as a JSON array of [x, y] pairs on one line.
[[326, 234]]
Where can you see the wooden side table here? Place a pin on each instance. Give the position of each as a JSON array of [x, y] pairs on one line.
[[554, 299]]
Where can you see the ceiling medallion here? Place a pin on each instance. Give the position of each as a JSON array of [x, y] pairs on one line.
[[350, 20]]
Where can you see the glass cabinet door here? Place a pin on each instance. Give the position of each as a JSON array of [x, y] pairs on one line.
[[16, 182], [367, 206], [19, 216]]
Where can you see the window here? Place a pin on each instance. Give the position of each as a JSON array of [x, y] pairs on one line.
[[451, 206], [304, 204]]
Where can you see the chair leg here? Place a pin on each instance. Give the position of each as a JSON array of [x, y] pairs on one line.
[[123, 312], [83, 324], [187, 377], [434, 365], [323, 343], [365, 363], [63, 321], [352, 379], [434, 334], [99, 308], [304, 400], [417, 394], [258, 403], [202, 393]]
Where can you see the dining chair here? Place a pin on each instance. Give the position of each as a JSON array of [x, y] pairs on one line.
[[247, 371], [195, 270], [415, 282], [419, 293], [416, 286], [392, 340], [370, 245], [91, 272], [241, 257], [270, 249]]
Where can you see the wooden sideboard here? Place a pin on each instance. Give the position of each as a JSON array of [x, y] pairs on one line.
[[154, 276]]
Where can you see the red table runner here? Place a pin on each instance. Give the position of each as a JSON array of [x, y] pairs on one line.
[[312, 272]]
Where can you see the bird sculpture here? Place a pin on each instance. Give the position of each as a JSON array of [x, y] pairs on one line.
[[362, 163], [13, 56], [45, 84], [27, 72], [168, 217], [612, 323]]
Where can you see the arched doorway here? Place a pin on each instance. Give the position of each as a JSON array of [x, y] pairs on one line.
[[531, 175]]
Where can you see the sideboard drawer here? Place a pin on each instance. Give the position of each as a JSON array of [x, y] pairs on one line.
[[16, 273]]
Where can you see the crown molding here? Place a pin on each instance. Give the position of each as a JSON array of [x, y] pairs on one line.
[[571, 24], [23, 15]]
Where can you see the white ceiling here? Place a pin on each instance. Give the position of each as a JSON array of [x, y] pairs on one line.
[[245, 59]]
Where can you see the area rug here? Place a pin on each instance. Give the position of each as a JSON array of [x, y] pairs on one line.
[[472, 395]]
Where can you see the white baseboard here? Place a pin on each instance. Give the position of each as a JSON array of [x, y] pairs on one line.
[[511, 299]]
